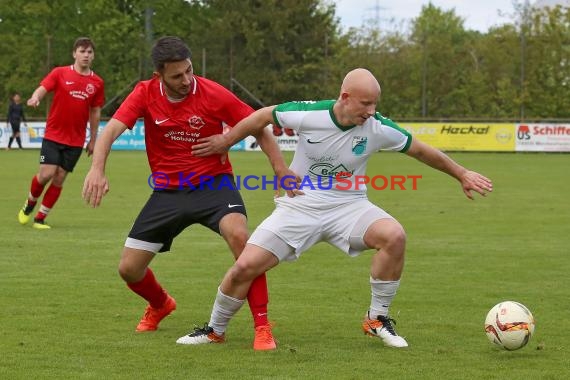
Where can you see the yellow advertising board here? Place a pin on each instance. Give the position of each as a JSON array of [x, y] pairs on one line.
[[477, 137]]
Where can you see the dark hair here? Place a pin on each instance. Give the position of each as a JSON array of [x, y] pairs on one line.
[[169, 49], [13, 95], [83, 42]]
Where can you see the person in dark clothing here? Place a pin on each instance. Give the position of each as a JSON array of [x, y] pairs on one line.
[[15, 117]]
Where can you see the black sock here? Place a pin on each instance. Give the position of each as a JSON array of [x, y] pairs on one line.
[[10, 142], [19, 141]]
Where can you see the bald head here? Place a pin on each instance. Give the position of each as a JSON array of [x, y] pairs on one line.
[[359, 94], [360, 81]]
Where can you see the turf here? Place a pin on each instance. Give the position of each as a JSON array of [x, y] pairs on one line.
[[65, 313]]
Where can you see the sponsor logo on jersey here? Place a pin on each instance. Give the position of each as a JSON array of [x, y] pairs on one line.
[[323, 169], [196, 122], [359, 145], [158, 122]]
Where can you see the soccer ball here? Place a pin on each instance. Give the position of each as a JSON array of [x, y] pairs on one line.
[[509, 325]]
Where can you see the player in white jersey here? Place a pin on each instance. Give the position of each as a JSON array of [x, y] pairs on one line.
[[336, 138]]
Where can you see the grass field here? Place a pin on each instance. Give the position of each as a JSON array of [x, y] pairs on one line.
[[65, 313]]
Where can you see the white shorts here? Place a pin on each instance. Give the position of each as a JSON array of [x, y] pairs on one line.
[[301, 226]]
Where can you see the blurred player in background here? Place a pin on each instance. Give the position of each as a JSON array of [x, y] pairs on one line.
[[339, 133], [179, 107], [15, 118], [77, 100]]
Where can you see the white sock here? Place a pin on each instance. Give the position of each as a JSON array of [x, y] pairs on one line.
[[383, 293], [224, 309]]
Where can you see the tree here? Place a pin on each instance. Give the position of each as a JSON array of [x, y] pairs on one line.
[[548, 64], [439, 39], [270, 51], [497, 53], [275, 49], [35, 38]]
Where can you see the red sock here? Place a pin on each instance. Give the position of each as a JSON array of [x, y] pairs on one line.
[[51, 196], [149, 289], [258, 298], [36, 190]]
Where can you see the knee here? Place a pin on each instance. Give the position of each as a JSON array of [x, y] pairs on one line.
[[57, 182], [59, 178], [44, 178], [125, 272], [129, 273], [392, 239], [397, 239], [241, 273]]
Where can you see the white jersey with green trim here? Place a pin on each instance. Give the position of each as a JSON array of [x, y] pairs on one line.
[[329, 157]]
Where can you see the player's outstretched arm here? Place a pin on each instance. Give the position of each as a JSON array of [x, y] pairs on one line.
[[253, 125], [96, 184], [220, 144], [37, 96], [285, 176], [470, 180]]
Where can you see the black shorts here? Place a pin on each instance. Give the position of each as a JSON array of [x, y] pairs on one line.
[[168, 212], [66, 156], [15, 127]]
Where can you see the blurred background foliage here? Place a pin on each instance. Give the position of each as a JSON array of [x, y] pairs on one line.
[[271, 51]]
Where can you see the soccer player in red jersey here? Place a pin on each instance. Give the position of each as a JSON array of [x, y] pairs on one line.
[[178, 108], [78, 98]]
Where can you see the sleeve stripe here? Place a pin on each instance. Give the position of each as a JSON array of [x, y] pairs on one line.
[[408, 143], [275, 119]]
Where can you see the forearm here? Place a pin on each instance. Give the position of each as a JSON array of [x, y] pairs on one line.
[[253, 125], [271, 149], [445, 164], [39, 93], [436, 159]]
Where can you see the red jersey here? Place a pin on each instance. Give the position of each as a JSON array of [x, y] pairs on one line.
[[172, 128], [74, 95]]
